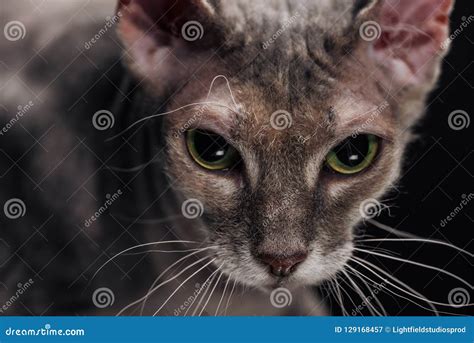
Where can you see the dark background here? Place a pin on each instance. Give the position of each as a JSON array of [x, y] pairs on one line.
[[437, 172]]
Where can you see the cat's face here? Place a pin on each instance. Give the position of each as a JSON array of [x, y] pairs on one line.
[[285, 151]]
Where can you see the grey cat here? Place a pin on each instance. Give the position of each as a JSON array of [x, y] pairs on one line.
[[233, 141]]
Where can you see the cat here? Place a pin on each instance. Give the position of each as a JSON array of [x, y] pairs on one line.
[[234, 142]]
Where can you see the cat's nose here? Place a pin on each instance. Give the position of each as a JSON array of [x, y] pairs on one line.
[[282, 265]]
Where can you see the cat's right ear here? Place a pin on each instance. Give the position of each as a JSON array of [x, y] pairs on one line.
[[161, 37]]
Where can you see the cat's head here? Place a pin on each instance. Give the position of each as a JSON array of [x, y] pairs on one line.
[[287, 118]]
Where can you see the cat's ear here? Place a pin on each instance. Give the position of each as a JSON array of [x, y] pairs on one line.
[[406, 38], [161, 36]]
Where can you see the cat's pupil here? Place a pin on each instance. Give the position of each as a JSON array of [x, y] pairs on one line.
[[353, 151], [210, 146]]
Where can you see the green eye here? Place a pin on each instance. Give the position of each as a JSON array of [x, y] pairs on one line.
[[211, 151], [353, 154]]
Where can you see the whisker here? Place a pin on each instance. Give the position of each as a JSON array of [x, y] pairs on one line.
[[414, 293], [223, 295], [160, 285], [165, 271], [417, 264], [418, 240], [159, 251], [230, 297], [211, 103], [338, 296], [388, 290], [354, 272], [181, 285], [205, 284], [346, 293], [392, 230], [370, 307], [212, 292], [210, 279], [136, 247]]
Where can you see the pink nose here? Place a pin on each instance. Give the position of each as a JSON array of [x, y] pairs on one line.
[[282, 265]]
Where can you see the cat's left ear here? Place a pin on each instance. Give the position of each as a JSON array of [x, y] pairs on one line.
[[406, 38], [164, 39]]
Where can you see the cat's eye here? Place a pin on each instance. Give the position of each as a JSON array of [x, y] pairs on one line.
[[211, 151], [354, 154]]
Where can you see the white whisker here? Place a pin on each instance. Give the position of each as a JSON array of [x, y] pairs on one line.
[[212, 292], [230, 297], [181, 285], [136, 247], [433, 241], [145, 297], [211, 103], [223, 294], [373, 311], [414, 293], [355, 272], [210, 279], [417, 264]]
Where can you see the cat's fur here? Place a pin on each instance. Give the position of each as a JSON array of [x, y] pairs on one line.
[[325, 75]]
